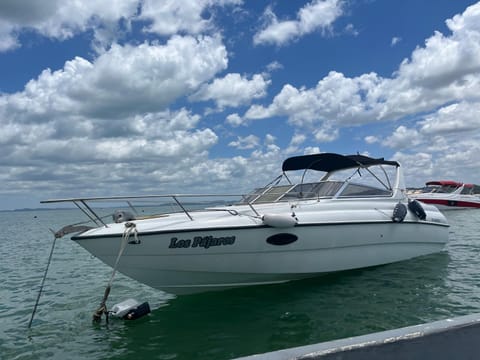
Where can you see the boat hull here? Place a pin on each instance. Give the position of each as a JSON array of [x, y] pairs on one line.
[[215, 259], [451, 204]]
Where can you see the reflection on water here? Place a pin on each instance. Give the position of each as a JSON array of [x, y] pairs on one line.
[[218, 325]]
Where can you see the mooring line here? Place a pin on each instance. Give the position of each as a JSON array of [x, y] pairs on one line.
[[130, 228], [43, 280]]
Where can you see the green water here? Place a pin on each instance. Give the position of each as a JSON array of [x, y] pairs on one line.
[[220, 325]]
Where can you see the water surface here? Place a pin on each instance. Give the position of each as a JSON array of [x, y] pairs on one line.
[[219, 325]]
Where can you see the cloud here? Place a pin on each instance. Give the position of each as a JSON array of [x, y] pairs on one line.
[[316, 15], [233, 90], [371, 139], [168, 17], [395, 40], [297, 139], [326, 135], [64, 19], [161, 148], [403, 138], [446, 70], [123, 81], [234, 120], [454, 118], [335, 98], [110, 118], [59, 19], [244, 143]]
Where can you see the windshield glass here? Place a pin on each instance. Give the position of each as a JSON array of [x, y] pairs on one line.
[[374, 181]]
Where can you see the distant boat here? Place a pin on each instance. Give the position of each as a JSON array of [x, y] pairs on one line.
[[355, 215], [448, 195]]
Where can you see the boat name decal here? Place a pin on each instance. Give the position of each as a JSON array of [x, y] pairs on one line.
[[201, 241]]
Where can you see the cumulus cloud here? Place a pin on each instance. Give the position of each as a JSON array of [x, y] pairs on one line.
[[316, 15], [247, 142], [234, 120], [371, 139], [169, 17], [336, 97], [459, 117], [402, 138], [64, 19], [233, 90], [326, 135], [297, 139], [445, 70], [123, 81], [113, 110], [60, 19], [165, 143]]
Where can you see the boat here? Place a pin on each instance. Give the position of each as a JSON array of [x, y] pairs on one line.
[[449, 195], [324, 213]]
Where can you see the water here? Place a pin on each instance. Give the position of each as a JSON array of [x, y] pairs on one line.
[[220, 325]]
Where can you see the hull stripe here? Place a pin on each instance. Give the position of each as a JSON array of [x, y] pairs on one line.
[[79, 237], [452, 203]]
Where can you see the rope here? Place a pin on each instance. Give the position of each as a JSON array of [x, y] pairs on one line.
[[102, 309], [43, 279]]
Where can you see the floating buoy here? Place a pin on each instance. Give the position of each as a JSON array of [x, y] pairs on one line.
[[279, 220], [130, 309], [417, 209], [399, 212]]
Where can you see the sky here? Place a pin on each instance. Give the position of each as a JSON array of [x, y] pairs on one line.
[[132, 97]]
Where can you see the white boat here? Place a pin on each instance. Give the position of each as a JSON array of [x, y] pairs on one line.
[[448, 195], [356, 215]]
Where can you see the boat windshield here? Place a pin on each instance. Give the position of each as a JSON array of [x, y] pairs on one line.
[[318, 190], [443, 189], [347, 183]]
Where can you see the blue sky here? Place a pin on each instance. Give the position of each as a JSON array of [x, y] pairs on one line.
[[149, 96]]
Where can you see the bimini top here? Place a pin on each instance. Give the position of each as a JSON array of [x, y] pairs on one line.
[[331, 162]]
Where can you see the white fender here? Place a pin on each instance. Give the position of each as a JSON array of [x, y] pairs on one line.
[[279, 220]]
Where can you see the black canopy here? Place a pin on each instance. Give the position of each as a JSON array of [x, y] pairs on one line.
[[330, 162]]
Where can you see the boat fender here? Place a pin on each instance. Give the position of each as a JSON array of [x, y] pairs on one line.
[[120, 216], [279, 220], [130, 309], [399, 212], [415, 207]]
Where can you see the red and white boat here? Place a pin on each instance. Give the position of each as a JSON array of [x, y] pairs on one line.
[[448, 195]]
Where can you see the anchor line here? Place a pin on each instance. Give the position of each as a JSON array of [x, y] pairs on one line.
[[43, 279], [130, 228]]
